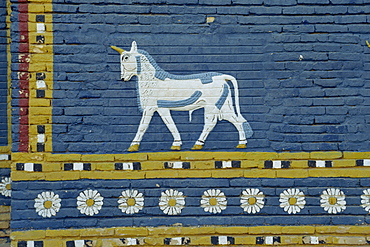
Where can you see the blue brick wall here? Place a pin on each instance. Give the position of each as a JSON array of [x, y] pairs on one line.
[[301, 66], [3, 77]]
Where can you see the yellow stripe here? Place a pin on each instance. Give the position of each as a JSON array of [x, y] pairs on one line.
[[193, 156], [224, 173], [40, 110], [197, 234]]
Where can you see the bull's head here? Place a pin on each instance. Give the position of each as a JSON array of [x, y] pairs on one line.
[[128, 61]]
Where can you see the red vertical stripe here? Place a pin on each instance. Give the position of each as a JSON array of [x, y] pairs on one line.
[[23, 50]]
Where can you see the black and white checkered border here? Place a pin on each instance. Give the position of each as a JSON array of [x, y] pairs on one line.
[[79, 243], [127, 166], [41, 138], [268, 240], [177, 241], [222, 240], [40, 27], [30, 244], [312, 240], [77, 167], [228, 164], [320, 163], [29, 167], [40, 77], [365, 162], [5, 157], [132, 241], [277, 164], [88, 243], [176, 165]]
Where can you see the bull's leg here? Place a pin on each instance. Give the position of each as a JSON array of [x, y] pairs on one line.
[[227, 113], [239, 126], [144, 123], [167, 119], [210, 120]]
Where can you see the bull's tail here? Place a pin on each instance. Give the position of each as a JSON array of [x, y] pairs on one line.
[[246, 126]]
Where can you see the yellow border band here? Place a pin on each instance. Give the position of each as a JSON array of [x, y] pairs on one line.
[[191, 156], [202, 165], [235, 173], [289, 235], [41, 61]]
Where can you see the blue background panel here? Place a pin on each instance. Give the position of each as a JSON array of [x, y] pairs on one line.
[[24, 216], [3, 77], [301, 69]]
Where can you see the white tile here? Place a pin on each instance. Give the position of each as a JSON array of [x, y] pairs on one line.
[[176, 241], [28, 167], [4, 157], [276, 164], [79, 243], [131, 241], [30, 244], [127, 166], [314, 240], [320, 163], [269, 240], [226, 164], [41, 138], [222, 240], [40, 27], [40, 84], [366, 162], [78, 166], [177, 165]]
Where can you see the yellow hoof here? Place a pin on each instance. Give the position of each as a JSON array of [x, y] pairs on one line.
[[242, 146], [197, 147], [176, 148], [133, 148]]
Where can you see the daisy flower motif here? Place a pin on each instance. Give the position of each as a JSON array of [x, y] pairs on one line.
[[252, 200], [131, 201], [6, 187], [333, 201], [89, 202], [366, 200], [47, 204], [213, 201], [292, 201], [172, 202]]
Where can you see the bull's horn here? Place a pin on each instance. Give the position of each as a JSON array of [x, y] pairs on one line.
[[120, 50]]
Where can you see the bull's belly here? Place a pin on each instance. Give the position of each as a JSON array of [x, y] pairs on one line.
[[187, 108]]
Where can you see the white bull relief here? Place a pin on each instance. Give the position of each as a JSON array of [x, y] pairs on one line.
[[162, 92]]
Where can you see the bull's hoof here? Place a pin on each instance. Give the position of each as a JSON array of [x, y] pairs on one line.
[[197, 147], [133, 148], [242, 146], [178, 148]]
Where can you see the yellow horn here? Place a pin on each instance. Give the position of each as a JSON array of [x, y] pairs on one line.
[[117, 49]]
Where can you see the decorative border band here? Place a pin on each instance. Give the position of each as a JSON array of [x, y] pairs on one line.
[[195, 236], [189, 165], [35, 77], [190, 202]]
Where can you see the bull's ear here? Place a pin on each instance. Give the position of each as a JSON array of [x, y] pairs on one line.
[[133, 46]]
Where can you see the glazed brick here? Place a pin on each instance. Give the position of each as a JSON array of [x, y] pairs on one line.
[[312, 220], [348, 220]]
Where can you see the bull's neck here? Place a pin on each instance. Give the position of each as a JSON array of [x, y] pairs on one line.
[[147, 73]]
